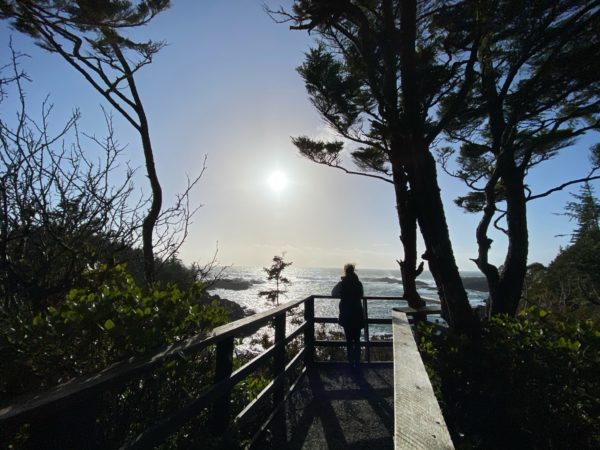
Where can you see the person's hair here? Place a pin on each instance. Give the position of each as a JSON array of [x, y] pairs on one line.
[[349, 268]]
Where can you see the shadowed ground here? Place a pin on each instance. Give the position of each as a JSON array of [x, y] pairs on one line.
[[337, 408]]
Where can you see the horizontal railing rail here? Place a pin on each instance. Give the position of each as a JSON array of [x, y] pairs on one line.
[[432, 307], [66, 400]]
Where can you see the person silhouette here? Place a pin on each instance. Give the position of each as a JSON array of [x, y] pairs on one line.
[[350, 292]]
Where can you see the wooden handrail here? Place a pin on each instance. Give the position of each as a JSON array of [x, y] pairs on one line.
[[63, 399], [418, 420]]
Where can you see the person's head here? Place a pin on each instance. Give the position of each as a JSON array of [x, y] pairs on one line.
[[349, 269]]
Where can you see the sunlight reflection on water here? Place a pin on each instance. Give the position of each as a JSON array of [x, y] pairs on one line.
[[320, 281]]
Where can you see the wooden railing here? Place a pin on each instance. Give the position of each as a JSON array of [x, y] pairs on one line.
[[432, 308], [62, 417], [418, 420]]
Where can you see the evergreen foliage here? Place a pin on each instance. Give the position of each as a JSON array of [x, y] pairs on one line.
[[92, 37], [585, 210], [386, 77], [570, 285], [95, 327], [275, 273], [536, 93]]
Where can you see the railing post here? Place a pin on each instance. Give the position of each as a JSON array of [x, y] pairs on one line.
[[309, 332], [279, 358], [279, 426], [224, 366], [367, 337]]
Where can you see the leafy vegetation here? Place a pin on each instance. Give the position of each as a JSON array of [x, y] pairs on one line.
[[94, 328], [532, 381], [570, 285], [527, 382]]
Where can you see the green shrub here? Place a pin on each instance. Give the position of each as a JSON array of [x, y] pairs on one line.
[[530, 382], [94, 328]]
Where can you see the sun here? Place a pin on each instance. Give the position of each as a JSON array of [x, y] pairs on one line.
[[277, 181]]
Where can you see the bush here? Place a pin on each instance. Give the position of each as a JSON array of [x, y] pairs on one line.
[[95, 327], [570, 285], [530, 382]]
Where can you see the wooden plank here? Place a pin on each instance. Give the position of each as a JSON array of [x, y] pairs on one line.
[[267, 422], [221, 410], [309, 333], [279, 357], [428, 310], [163, 428], [418, 420]]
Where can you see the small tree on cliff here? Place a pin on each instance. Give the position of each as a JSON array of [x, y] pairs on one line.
[[275, 273]]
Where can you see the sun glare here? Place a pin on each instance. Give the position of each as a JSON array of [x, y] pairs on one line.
[[277, 181]]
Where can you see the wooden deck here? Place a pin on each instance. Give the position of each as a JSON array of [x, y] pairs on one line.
[[379, 406], [338, 408]]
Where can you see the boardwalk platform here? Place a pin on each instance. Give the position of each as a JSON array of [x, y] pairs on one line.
[[339, 408]]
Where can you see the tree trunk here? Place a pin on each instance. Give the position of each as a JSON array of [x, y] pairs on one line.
[[422, 176], [155, 207], [440, 255], [512, 277], [484, 243], [408, 236], [156, 204]]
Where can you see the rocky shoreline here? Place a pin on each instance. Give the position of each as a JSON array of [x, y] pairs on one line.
[[235, 311]]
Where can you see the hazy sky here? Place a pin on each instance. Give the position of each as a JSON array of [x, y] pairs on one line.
[[226, 87]]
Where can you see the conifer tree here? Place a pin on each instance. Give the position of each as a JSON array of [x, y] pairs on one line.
[[379, 77], [585, 210], [275, 273], [538, 79]]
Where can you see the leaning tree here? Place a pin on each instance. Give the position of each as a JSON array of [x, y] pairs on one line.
[[92, 38], [380, 76]]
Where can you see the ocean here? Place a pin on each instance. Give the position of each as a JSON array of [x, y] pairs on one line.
[[242, 285]]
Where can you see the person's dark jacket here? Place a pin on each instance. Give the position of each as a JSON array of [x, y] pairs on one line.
[[350, 291]]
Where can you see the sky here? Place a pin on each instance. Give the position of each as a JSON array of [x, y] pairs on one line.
[[225, 88]]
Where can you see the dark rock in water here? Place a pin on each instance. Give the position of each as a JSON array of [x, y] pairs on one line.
[[420, 283], [383, 280], [475, 283], [234, 310], [233, 284]]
